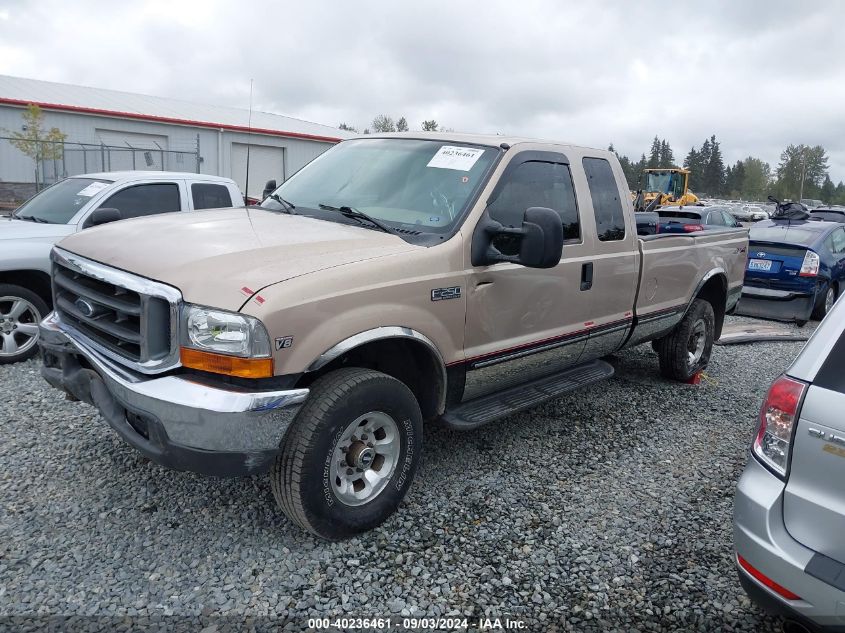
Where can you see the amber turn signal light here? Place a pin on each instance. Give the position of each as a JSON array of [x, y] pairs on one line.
[[229, 365]]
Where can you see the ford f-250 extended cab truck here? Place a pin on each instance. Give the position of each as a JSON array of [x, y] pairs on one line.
[[395, 279]]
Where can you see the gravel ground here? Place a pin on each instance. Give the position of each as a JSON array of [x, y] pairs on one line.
[[609, 509]]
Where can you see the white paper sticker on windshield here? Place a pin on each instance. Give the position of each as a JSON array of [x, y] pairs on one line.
[[460, 158], [94, 187]]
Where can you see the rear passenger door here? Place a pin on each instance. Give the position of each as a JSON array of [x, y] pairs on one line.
[[614, 259]]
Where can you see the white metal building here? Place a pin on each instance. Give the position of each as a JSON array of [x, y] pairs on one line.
[[162, 133]]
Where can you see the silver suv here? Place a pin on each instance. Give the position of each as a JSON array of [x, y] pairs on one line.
[[789, 510]]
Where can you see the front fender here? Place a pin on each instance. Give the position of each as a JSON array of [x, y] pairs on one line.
[[26, 254]]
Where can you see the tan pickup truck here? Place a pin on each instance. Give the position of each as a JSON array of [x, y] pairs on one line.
[[396, 279]]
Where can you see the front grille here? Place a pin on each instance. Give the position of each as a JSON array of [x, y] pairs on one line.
[[126, 317]]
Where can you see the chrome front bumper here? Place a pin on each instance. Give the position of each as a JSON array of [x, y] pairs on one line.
[[176, 421]]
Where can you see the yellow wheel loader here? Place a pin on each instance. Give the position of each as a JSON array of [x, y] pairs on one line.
[[664, 187]]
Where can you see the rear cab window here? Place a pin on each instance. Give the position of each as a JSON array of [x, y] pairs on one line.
[[607, 206], [206, 195]]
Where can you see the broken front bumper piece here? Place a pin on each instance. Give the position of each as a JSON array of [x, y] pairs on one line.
[[173, 420]]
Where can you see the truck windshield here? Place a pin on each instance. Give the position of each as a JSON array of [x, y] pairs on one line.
[[59, 203], [417, 185]]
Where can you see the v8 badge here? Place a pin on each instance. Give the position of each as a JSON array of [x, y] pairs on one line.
[[284, 342]]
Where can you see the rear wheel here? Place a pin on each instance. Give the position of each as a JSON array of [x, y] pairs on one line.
[[351, 454], [686, 350], [20, 312], [826, 301]]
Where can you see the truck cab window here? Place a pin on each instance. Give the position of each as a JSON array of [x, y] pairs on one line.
[[607, 207], [538, 184], [210, 196], [141, 200]]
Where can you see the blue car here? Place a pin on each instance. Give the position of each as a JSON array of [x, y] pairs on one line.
[[795, 269], [684, 220]]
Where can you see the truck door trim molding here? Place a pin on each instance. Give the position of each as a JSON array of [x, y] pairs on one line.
[[526, 349]]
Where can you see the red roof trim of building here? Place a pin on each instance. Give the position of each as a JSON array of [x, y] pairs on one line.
[[165, 119]]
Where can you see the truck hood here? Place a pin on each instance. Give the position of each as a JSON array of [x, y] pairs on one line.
[[220, 258], [13, 229]]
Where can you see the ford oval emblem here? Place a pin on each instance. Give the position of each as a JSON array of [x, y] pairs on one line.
[[84, 307]]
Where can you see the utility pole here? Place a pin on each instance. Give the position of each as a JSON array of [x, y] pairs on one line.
[[803, 172]]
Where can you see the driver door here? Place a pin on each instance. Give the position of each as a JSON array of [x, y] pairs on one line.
[[524, 323]]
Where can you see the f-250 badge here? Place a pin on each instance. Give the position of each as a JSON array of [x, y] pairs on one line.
[[441, 294], [284, 342]]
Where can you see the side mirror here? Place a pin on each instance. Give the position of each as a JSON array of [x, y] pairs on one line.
[[540, 240], [269, 188], [104, 216]]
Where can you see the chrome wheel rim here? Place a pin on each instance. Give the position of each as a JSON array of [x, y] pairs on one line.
[[829, 300], [365, 458], [18, 326], [696, 343]]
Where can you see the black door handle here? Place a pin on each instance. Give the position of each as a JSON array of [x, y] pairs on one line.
[[587, 276]]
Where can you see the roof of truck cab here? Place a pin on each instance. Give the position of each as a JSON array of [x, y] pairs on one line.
[[491, 140], [117, 176]]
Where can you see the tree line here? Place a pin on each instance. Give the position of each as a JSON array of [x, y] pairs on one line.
[[385, 123], [749, 179]]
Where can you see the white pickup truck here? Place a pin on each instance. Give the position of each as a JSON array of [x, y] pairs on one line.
[[72, 205]]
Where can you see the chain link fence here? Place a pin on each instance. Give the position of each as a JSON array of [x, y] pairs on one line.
[[29, 166]]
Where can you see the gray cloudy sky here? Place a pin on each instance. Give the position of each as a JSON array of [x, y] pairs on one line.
[[758, 74]]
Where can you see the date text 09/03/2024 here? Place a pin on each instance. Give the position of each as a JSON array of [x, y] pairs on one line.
[[416, 624]]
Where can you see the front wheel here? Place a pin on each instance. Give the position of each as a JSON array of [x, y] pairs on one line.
[[686, 350], [20, 312], [351, 454]]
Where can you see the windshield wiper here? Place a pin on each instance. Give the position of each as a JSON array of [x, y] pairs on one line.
[[289, 206], [350, 212], [31, 218]]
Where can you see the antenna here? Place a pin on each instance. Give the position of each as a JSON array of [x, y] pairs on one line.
[[249, 139]]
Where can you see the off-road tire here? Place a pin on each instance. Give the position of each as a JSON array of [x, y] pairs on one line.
[[673, 349], [820, 309], [300, 477], [11, 290]]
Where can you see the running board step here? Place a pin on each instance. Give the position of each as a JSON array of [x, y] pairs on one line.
[[475, 413]]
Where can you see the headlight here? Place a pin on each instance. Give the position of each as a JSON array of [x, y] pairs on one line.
[[207, 329]]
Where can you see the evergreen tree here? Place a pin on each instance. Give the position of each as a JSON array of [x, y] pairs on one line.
[[693, 163], [828, 190], [654, 156], [735, 180], [402, 125], [714, 168], [667, 157]]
